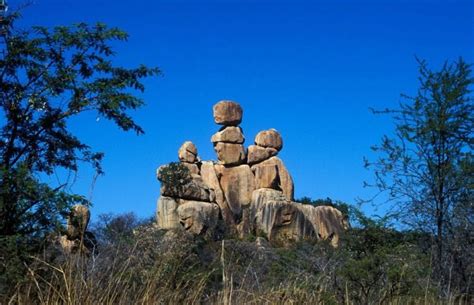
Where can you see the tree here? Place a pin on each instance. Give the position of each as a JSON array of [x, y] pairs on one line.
[[47, 77], [426, 169], [340, 205]]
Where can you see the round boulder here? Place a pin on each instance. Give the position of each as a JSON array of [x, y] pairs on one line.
[[269, 138], [227, 113]]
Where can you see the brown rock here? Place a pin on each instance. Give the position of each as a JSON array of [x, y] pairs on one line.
[[230, 134], [77, 221], [68, 246], [328, 222], [263, 213], [230, 154], [166, 213], [188, 152], [266, 176], [277, 218], [286, 182], [258, 154], [227, 113], [290, 225], [198, 217], [237, 183], [269, 138], [209, 176]]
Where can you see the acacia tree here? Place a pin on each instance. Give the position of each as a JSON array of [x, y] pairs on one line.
[[426, 168], [47, 77]]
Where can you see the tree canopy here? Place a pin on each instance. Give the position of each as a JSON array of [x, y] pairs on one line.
[[426, 168], [47, 77]]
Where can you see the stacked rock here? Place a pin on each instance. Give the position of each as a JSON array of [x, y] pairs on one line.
[[235, 177], [188, 156], [186, 201], [228, 141], [253, 193], [269, 170], [272, 211]]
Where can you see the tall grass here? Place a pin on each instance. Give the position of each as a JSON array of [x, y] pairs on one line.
[[179, 270]]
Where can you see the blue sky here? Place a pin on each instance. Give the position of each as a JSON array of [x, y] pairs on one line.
[[309, 69]]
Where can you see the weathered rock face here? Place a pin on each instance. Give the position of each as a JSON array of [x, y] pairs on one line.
[[277, 218], [230, 154], [230, 134], [290, 225], [269, 138], [166, 214], [262, 211], [227, 113], [243, 193], [198, 217], [209, 176], [285, 181], [267, 176], [237, 183], [328, 221]]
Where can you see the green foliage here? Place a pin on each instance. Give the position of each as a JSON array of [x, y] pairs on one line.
[[117, 229], [174, 175], [47, 77], [341, 206], [426, 169], [374, 265], [379, 263]]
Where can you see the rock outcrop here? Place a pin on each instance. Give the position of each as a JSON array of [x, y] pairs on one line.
[[77, 239], [277, 218], [327, 220], [243, 192], [189, 200], [198, 217]]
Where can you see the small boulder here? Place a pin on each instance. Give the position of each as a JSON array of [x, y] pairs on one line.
[[230, 134], [188, 152], [269, 138], [227, 113]]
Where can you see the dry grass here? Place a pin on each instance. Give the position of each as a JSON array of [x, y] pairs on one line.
[[179, 272]]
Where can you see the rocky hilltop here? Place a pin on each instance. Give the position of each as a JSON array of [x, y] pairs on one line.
[[245, 192]]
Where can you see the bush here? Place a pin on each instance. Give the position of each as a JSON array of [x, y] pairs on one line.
[[141, 264]]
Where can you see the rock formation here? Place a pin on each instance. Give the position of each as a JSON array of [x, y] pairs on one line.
[[188, 199], [243, 192], [77, 238]]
